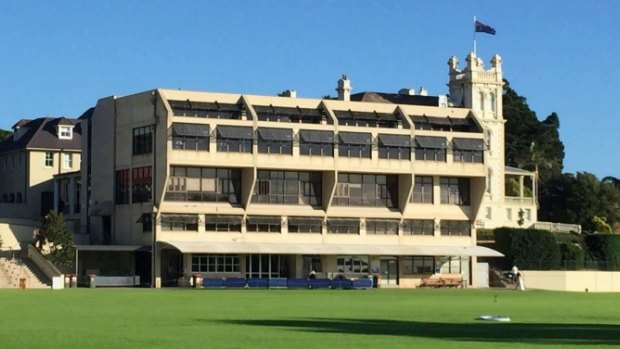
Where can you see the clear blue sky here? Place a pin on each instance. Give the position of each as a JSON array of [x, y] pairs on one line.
[[58, 57]]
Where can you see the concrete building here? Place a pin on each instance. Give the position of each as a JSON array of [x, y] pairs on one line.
[[38, 150], [237, 185]]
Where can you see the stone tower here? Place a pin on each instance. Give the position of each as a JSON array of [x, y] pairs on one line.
[[480, 89]]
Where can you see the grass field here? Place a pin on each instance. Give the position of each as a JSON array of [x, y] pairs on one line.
[[392, 318]]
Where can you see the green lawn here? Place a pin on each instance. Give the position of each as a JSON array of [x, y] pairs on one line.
[[177, 318]]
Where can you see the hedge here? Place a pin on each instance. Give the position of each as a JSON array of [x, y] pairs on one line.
[[530, 249], [605, 249]]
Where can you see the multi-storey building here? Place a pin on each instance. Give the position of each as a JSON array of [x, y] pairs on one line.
[[225, 184], [38, 150]]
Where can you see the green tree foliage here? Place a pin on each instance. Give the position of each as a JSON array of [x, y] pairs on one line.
[[4, 134], [604, 248], [57, 239], [530, 249], [572, 256]]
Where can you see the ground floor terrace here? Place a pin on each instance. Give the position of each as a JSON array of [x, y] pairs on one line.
[[179, 263]]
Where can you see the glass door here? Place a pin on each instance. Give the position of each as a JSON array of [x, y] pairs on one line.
[[389, 271]]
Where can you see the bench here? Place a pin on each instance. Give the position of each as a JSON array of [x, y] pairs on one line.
[[438, 281]]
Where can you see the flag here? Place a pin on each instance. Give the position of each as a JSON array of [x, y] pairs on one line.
[[483, 28]]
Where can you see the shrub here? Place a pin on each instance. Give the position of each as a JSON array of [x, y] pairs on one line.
[[572, 256], [531, 249], [605, 249]]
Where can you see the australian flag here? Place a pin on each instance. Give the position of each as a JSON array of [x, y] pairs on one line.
[[483, 28]]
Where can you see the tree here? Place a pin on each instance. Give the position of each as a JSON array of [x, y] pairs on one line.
[[56, 240], [4, 134]]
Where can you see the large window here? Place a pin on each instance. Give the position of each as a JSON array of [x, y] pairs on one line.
[[171, 222], [275, 141], [418, 227], [311, 263], [367, 190], [365, 119], [284, 114], [141, 184], [122, 187], [454, 227], [67, 160], [355, 145], [418, 265], [343, 226], [234, 139], [65, 132], [190, 136], [381, 227], [288, 187], [228, 224], [352, 264], [423, 190], [263, 224], [430, 148], [305, 225], [212, 110], [143, 140], [394, 147], [316, 143], [214, 263], [204, 184], [467, 150], [454, 191]]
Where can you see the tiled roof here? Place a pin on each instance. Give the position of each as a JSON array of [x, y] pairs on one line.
[[395, 98], [41, 133]]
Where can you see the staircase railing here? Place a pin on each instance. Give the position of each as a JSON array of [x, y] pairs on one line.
[[47, 267]]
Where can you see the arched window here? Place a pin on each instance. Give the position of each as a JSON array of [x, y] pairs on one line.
[[489, 180], [481, 101], [492, 102]]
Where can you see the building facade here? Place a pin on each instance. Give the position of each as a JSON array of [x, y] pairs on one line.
[[237, 185]]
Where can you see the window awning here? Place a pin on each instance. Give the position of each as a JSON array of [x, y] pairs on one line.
[[342, 221], [305, 220], [355, 138], [191, 130], [395, 140], [311, 136], [431, 120], [467, 144], [462, 122], [431, 142], [275, 134], [224, 219], [235, 132], [264, 220], [179, 218], [330, 249]]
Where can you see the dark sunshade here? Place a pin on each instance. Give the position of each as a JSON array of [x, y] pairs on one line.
[[235, 132], [192, 130], [275, 134], [431, 142], [395, 140], [355, 138], [224, 219], [305, 220], [179, 219], [467, 144], [343, 221], [263, 220], [310, 136]]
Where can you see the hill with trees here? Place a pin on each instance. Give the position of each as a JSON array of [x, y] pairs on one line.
[[4, 134]]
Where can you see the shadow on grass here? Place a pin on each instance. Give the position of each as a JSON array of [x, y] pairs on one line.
[[479, 331]]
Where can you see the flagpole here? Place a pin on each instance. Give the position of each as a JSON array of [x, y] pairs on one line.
[[475, 54]]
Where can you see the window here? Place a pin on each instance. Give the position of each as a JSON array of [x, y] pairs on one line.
[[204, 184], [65, 132], [481, 101], [454, 191], [418, 227], [316, 143], [394, 147], [18, 198], [343, 226], [49, 159], [354, 145], [365, 119], [288, 187], [67, 160], [275, 141], [423, 190], [263, 224], [179, 222], [234, 139], [467, 150], [509, 214], [209, 263], [381, 227], [352, 264], [226, 224], [143, 140], [310, 263], [452, 265], [367, 190], [212, 110], [141, 184], [488, 214], [455, 228], [122, 187], [418, 265], [190, 136], [284, 114], [147, 222], [430, 148], [305, 225]]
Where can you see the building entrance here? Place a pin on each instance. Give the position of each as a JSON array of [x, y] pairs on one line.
[[388, 268]]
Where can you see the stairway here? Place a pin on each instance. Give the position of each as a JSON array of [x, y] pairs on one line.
[[499, 279], [14, 269]]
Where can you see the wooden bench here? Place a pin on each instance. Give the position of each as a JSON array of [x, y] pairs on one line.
[[438, 281]]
